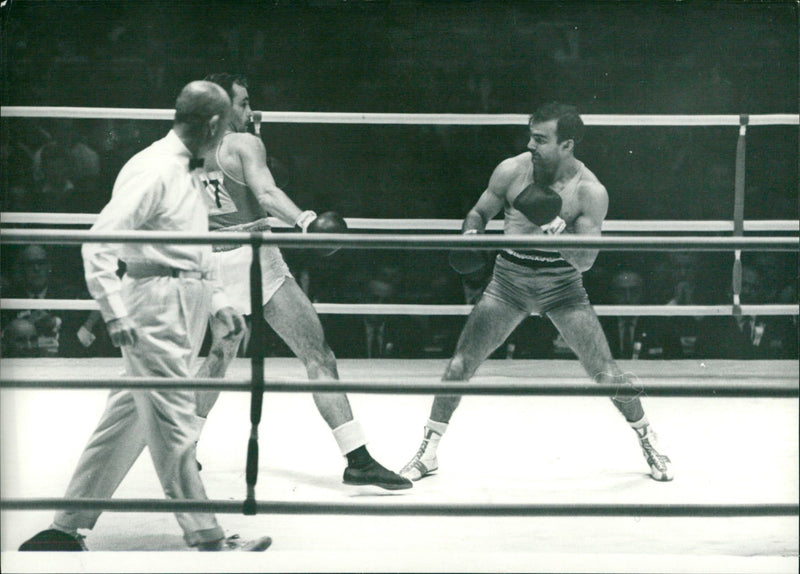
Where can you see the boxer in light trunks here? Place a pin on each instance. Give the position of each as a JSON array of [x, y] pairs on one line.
[[543, 190], [242, 192]]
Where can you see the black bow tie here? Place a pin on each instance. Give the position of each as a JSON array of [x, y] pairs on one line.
[[196, 162]]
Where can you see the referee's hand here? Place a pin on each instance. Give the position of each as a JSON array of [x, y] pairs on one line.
[[232, 320], [122, 332]]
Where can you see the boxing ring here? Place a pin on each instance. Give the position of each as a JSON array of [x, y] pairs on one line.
[[518, 491]]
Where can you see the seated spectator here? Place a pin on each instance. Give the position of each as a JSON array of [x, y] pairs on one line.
[[83, 161], [782, 271], [534, 338], [637, 337], [682, 282], [17, 176], [54, 182], [20, 339], [435, 284], [374, 336], [58, 188], [123, 138], [60, 333], [748, 336]]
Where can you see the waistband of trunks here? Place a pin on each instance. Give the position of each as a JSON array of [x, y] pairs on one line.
[[534, 258], [259, 225]]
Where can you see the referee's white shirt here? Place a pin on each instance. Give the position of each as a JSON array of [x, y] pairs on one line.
[[154, 191]]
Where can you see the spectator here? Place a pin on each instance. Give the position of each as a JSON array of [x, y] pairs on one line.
[[51, 168], [60, 333], [20, 339], [375, 336], [682, 283], [781, 268], [122, 139], [84, 162], [748, 336], [17, 174], [63, 181], [637, 337], [435, 284]]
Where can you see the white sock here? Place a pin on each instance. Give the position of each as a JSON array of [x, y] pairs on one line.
[[436, 427], [640, 426], [349, 436]]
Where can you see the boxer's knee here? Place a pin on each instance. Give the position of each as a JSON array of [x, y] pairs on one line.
[[628, 390], [458, 368], [320, 361], [608, 372]]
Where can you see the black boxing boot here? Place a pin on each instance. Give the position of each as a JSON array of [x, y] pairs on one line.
[[52, 540], [362, 469]]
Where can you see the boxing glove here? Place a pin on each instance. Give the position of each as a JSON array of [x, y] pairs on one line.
[[468, 261], [328, 222], [541, 206]]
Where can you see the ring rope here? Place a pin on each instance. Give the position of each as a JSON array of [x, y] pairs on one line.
[[612, 225], [448, 310], [781, 387], [417, 241], [402, 509], [403, 118]]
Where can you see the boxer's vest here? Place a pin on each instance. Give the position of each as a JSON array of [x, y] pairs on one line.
[[515, 223], [230, 201]]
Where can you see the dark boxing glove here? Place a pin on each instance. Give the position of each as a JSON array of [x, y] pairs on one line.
[[539, 205], [468, 261], [328, 222]]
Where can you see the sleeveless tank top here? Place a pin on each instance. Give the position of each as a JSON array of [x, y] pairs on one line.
[[231, 201], [515, 223]]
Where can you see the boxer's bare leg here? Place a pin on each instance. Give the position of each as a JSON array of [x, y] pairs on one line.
[[294, 319], [489, 324], [582, 331]]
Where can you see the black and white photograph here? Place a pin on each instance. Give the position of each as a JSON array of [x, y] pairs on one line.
[[399, 286]]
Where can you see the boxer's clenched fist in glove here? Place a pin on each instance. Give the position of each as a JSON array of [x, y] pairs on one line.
[[328, 222]]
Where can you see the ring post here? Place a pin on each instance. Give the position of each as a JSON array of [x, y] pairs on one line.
[[256, 373]]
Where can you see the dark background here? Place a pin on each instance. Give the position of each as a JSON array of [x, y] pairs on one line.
[[430, 57], [447, 57]]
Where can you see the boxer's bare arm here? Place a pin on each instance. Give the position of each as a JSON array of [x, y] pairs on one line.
[[593, 200], [252, 157], [492, 199]]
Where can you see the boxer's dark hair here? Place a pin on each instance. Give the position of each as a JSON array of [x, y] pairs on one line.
[[226, 81], [569, 126]]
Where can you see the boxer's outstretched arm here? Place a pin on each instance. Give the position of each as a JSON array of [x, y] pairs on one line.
[[257, 176]]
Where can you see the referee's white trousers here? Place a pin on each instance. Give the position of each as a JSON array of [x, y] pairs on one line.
[[171, 315]]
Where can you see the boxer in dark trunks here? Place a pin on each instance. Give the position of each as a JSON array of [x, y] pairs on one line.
[[543, 190]]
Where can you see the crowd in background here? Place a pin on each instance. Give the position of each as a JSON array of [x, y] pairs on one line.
[[132, 57], [353, 277]]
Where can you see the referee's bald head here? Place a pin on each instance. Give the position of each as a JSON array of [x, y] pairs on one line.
[[200, 101]]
